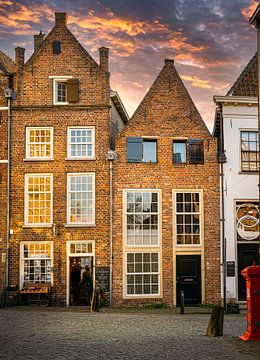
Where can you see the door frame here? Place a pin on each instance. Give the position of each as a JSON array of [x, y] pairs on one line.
[[80, 254]]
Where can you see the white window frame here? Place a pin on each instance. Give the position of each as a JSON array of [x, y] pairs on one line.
[[69, 203], [28, 129], [22, 258], [143, 296], [240, 150], [92, 128], [158, 213], [26, 200], [55, 80], [200, 192], [142, 248]]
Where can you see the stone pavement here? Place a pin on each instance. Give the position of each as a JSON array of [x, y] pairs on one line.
[[52, 333]]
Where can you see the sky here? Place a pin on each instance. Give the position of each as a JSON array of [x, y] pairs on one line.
[[211, 41]]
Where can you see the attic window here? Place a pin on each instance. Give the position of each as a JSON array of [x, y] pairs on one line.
[[141, 150], [190, 151], [65, 91], [56, 47]]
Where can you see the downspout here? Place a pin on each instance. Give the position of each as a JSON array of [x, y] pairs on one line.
[[9, 95], [111, 156], [222, 160]]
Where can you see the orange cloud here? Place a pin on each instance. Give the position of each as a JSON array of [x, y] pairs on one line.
[[248, 11], [195, 81]]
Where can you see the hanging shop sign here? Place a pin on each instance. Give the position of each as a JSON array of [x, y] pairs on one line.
[[248, 221]]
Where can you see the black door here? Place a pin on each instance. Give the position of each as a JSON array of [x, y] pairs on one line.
[[247, 254], [189, 278]]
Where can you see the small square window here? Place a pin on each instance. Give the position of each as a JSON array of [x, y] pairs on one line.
[[141, 150], [149, 151], [179, 152]]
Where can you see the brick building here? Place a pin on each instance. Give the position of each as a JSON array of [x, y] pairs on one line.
[[166, 201], [164, 183], [64, 119]]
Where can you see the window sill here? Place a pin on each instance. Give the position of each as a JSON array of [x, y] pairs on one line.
[[248, 172], [80, 159], [43, 159], [61, 104], [37, 226], [79, 225], [146, 296]]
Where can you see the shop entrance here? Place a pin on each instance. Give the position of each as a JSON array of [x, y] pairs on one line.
[[247, 254], [188, 271], [81, 280], [80, 272]]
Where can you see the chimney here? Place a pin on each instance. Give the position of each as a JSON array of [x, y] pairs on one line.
[[169, 61], [19, 63], [38, 39], [19, 59], [60, 19], [103, 58]]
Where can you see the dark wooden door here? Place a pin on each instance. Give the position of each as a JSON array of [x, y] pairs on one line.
[[188, 280], [247, 254]]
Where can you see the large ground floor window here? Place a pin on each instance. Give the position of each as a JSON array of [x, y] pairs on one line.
[[142, 273], [36, 262]]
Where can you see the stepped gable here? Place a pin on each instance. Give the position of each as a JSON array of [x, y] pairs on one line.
[[7, 65], [168, 100], [246, 83]]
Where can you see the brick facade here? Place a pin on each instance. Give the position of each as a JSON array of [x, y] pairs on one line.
[[167, 113]]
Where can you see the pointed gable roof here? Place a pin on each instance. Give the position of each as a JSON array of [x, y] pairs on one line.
[[246, 83], [7, 65], [169, 100]]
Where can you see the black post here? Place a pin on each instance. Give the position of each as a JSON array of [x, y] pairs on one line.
[[182, 302]]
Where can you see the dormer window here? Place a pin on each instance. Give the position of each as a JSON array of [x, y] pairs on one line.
[[65, 90]]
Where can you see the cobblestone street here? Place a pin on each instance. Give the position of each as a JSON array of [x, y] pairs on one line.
[[50, 333]]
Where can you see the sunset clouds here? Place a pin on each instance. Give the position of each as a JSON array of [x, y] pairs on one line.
[[211, 41]]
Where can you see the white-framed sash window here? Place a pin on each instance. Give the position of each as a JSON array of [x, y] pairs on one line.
[[38, 199], [81, 198], [39, 143], [81, 142]]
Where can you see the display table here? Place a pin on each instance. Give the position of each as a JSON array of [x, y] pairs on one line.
[[36, 294]]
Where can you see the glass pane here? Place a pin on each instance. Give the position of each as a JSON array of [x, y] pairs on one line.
[[179, 152], [149, 151]]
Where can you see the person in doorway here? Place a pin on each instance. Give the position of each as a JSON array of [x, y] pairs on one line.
[[86, 285]]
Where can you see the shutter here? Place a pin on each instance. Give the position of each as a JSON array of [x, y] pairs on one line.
[[134, 147], [72, 90], [196, 152], [56, 47]]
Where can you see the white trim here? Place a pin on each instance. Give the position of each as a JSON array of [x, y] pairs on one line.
[[142, 248], [21, 268], [69, 255], [93, 175], [3, 161], [57, 79], [26, 223], [60, 77], [3, 108], [245, 172], [27, 146], [200, 213], [235, 99], [69, 157]]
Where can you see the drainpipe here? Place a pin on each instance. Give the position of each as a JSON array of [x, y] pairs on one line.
[[111, 156], [9, 95]]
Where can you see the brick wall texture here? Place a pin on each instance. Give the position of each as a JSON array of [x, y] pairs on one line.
[[167, 112]]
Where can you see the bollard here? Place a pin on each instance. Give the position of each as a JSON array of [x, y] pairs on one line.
[[182, 302]]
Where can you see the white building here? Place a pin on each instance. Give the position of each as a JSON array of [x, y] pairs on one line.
[[236, 126]]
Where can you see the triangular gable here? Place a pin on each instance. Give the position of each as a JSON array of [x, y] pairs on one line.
[[246, 83], [168, 94]]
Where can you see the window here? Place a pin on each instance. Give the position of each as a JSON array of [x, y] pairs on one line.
[[142, 273], [36, 262], [179, 152], [190, 151], [38, 199], [142, 218], [81, 199], [188, 218], [56, 47], [65, 90], [249, 151], [81, 142], [39, 143], [141, 150]]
